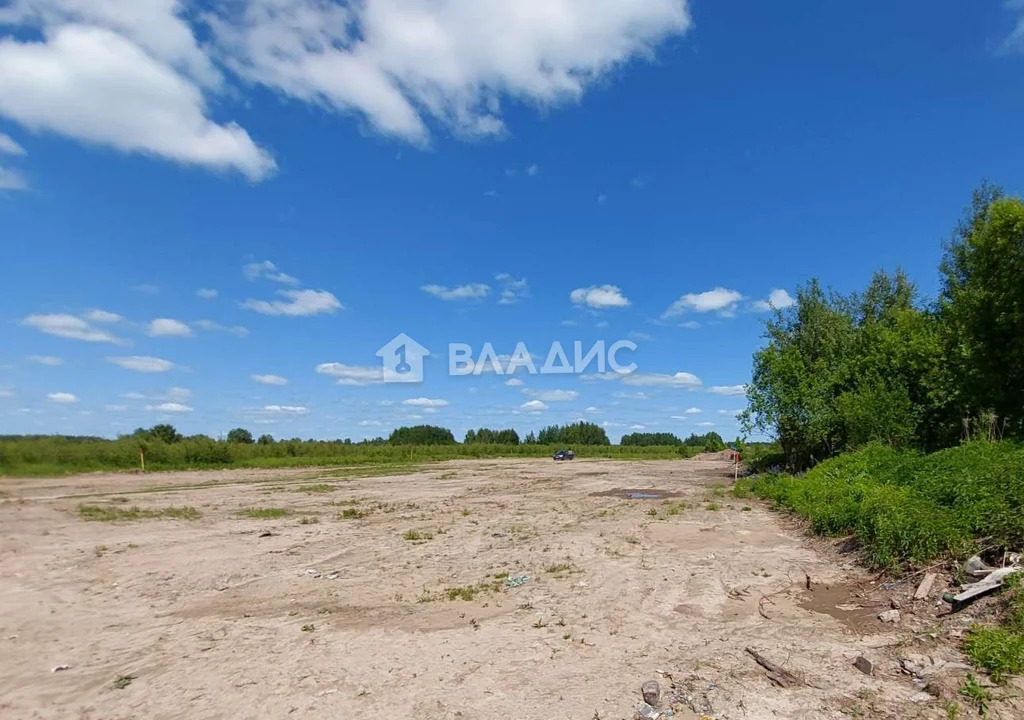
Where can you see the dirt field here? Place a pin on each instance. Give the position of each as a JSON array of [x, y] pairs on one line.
[[317, 615]]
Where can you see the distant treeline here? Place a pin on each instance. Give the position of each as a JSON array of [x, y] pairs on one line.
[[709, 442], [164, 448]]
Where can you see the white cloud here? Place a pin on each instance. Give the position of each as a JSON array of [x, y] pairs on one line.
[[355, 374], [299, 303], [134, 396], [167, 327], [693, 411], [286, 409], [49, 360], [690, 324], [169, 407], [210, 325], [142, 363], [12, 179], [679, 379], [270, 379], [512, 290], [599, 297], [425, 402], [9, 147], [207, 293], [514, 382], [705, 424], [552, 395], [94, 77], [777, 300], [592, 410], [6, 392], [730, 390], [177, 394], [267, 270], [533, 406], [370, 423], [473, 291], [68, 326], [638, 395], [62, 397], [720, 300], [400, 63], [730, 413], [102, 316], [637, 427]]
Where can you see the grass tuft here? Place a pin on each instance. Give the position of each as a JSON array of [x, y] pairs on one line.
[[106, 513], [264, 513]]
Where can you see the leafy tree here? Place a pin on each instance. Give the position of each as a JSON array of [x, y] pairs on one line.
[[581, 433], [422, 435], [530, 439], [708, 442], [164, 433], [647, 439], [240, 436], [492, 437], [982, 304], [266, 440]]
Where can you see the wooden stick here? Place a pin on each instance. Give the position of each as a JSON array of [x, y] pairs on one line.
[[776, 674]]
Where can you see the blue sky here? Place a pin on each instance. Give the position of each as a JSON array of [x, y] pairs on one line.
[[339, 174]]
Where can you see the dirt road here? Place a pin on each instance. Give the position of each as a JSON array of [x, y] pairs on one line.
[[341, 608]]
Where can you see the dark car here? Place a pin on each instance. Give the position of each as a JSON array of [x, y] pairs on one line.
[[564, 455]]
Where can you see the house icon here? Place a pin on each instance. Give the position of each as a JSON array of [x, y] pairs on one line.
[[402, 360]]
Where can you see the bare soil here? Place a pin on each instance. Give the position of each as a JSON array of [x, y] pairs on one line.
[[319, 615]]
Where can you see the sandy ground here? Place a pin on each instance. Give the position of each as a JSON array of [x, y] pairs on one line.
[[315, 616]]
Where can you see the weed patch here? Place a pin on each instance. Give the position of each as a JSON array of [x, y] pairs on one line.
[[317, 488], [106, 513], [264, 513]]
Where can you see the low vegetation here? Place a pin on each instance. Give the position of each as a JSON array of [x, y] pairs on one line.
[[264, 513], [115, 513]]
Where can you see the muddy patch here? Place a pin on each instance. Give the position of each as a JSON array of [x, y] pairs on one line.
[[637, 493], [849, 604]]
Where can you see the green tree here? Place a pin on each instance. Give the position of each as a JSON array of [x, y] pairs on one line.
[[982, 303], [164, 432], [266, 440], [240, 436], [422, 435], [648, 439]]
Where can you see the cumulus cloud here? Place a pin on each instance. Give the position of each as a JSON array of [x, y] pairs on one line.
[[552, 395], [167, 327], [267, 270], [425, 402], [729, 390], [49, 360], [692, 411], [719, 300], [777, 299], [169, 407], [512, 290], [89, 79], [142, 363], [286, 409], [473, 291], [357, 374], [62, 397], [298, 303], [533, 406], [599, 297], [68, 326], [207, 293], [270, 379], [678, 380], [210, 325], [102, 316], [514, 382]]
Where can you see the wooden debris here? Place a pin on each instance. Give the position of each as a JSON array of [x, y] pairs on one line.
[[925, 587], [778, 675], [994, 581]]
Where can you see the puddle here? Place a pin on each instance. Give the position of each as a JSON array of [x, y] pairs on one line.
[[637, 494], [838, 601]]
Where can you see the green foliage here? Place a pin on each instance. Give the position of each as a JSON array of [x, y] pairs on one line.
[[422, 435], [163, 432], [264, 513], [908, 508], [648, 439], [240, 436], [113, 513], [708, 442], [577, 434], [266, 440], [1000, 650], [492, 437]]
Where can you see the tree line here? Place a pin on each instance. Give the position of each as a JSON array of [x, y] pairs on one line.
[[838, 371]]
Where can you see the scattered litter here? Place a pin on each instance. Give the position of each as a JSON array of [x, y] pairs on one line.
[[646, 712], [975, 567], [59, 668], [864, 665], [651, 692], [514, 581], [313, 572], [776, 674], [890, 616], [994, 581], [333, 576], [925, 587]]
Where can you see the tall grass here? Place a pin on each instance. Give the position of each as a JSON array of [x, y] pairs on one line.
[[906, 508], [48, 456]]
